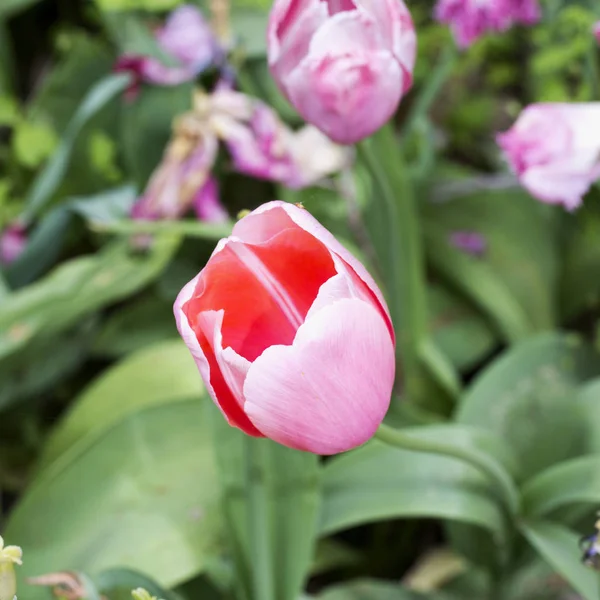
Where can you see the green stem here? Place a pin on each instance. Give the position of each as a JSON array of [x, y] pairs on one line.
[[398, 243], [484, 464], [592, 69], [259, 530]]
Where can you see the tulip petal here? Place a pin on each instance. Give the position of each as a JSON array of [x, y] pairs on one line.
[[330, 390], [265, 289], [206, 361], [273, 217]]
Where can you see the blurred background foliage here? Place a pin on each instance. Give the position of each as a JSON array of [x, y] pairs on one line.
[[111, 463]]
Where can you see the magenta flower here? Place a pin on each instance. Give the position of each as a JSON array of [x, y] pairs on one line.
[[555, 151], [344, 64], [187, 38], [470, 19], [290, 333], [12, 243], [596, 31], [470, 242]]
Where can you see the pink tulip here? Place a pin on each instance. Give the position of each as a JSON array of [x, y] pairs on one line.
[[470, 19], [596, 31], [186, 38], [12, 243], [290, 333], [555, 151], [344, 64]]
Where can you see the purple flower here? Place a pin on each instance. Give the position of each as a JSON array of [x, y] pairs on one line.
[[186, 37], [470, 19], [469, 242], [12, 243]]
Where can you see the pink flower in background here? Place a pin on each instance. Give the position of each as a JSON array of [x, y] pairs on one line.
[[470, 19], [264, 147], [187, 39], [596, 30], [555, 150], [260, 144], [181, 182], [470, 242], [12, 243], [344, 64], [290, 333]]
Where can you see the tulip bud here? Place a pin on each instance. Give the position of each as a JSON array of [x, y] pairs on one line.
[[344, 64], [555, 151], [9, 556], [470, 19], [290, 333]]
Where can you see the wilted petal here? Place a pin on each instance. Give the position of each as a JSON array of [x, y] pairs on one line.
[[207, 205], [13, 241]]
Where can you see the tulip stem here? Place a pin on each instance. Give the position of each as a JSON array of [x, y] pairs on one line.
[[394, 220], [486, 465]]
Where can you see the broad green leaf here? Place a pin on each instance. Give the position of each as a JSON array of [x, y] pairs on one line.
[[118, 583], [271, 497], [146, 321], [107, 206], [461, 333], [50, 177], [142, 496], [514, 282], [378, 482], [160, 374], [560, 548], [528, 395], [570, 482], [42, 365], [370, 590], [123, 5], [78, 288]]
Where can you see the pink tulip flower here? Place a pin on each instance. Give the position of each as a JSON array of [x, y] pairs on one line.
[[555, 151], [290, 333], [470, 19], [187, 39], [596, 31], [344, 64], [12, 243]]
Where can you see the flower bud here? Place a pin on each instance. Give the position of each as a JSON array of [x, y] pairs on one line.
[[9, 557], [290, 333], [344, 64]]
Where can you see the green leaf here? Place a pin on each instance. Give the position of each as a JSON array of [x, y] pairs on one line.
[[263, 485], [460, 331], [46, 362], [118, 583], [50, 177], [151, 5], [33, 143], [145, 127], [76, 289], [560, 548], [11, 7], [526, 396], [108, 206], [370, 590], [378, 482], [160, 374], [570, 482], [136, 326], [588, 402], [514, 282], [142, 496]]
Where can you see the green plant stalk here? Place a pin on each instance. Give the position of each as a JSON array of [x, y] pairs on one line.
[[400, 251], [259, 523], [483, 463]]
